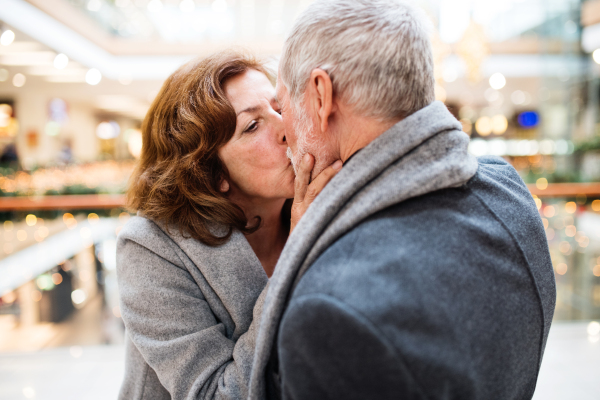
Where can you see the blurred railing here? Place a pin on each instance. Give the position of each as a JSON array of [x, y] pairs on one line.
[[566, 190], [64, 202], [105, 201], [570, 213]]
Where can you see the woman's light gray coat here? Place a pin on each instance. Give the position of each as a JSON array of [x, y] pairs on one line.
[[188, 310]]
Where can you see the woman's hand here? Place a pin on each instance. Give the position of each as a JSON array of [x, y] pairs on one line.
[[306, 192]]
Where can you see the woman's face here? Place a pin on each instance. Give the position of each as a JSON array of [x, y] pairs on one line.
[[255, 156]]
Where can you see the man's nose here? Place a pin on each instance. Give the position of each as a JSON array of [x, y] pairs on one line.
[[281, 133]]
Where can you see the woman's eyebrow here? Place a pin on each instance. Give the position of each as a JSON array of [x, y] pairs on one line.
[[249, 110], [257, 107]]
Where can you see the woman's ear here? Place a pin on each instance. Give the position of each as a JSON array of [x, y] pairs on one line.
[[224, 186]]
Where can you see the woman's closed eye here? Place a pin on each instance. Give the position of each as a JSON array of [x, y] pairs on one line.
[[252, 126]]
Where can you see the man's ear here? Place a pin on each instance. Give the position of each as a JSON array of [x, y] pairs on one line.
[[321, 97]]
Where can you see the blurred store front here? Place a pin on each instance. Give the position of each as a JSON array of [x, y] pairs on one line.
[[77, 77]]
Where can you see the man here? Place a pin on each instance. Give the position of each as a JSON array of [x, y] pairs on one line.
[[419, 272]]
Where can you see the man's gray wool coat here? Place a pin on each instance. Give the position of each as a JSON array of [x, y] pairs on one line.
[[419, 272]]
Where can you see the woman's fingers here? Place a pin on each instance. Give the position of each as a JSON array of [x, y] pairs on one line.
[[305, 192], [303, 178], [317, 185]]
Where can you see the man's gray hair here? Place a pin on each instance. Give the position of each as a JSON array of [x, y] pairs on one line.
[[376, 52]]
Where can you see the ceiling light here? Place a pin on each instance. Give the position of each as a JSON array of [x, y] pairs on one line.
[[20, 47], [7, 37], [497, 81], [187, 6], [19, 80], [449, 75], [219, 6], [596, 56], [93, 77], [155, 6], [94, 5], [108, 130], [29, 58], [61, 61]]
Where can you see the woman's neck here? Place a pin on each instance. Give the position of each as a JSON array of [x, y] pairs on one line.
[[268, 241]]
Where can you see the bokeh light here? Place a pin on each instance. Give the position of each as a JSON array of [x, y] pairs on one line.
[[549, 211], [497, 81], [542, 183], [484, 126], [499, 124], [571, 207], [61, 61], [7, 38], [78, 296], [593, 328], [108, 130], [561, 269], [19, 80], [31, 220], [93, 77]]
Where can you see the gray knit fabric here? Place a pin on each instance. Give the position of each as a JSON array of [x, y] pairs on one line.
[[188, 310], [425, 152]]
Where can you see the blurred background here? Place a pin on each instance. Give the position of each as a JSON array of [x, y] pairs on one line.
[[76, 79]]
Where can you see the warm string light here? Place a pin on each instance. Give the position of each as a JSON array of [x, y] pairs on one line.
[[109, 175], [562, 232]]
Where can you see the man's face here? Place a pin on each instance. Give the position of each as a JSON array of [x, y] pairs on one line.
[[288, 121], [301, 135]]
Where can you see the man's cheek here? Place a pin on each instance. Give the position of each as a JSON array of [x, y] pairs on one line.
[[290, 134], [290, 155]]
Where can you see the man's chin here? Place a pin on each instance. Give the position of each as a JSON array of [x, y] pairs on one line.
[[295, 160], [320, 164]]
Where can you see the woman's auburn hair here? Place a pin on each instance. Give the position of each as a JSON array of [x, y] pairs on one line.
[[177, 178]]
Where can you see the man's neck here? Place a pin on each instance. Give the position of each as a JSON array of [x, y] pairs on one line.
[[357, 132]]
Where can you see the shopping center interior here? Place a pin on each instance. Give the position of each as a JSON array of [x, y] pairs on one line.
[[76, 80]]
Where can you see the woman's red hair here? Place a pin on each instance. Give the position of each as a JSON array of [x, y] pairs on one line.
[[176, 181]]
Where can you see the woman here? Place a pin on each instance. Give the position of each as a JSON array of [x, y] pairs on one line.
[[210, 190]]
